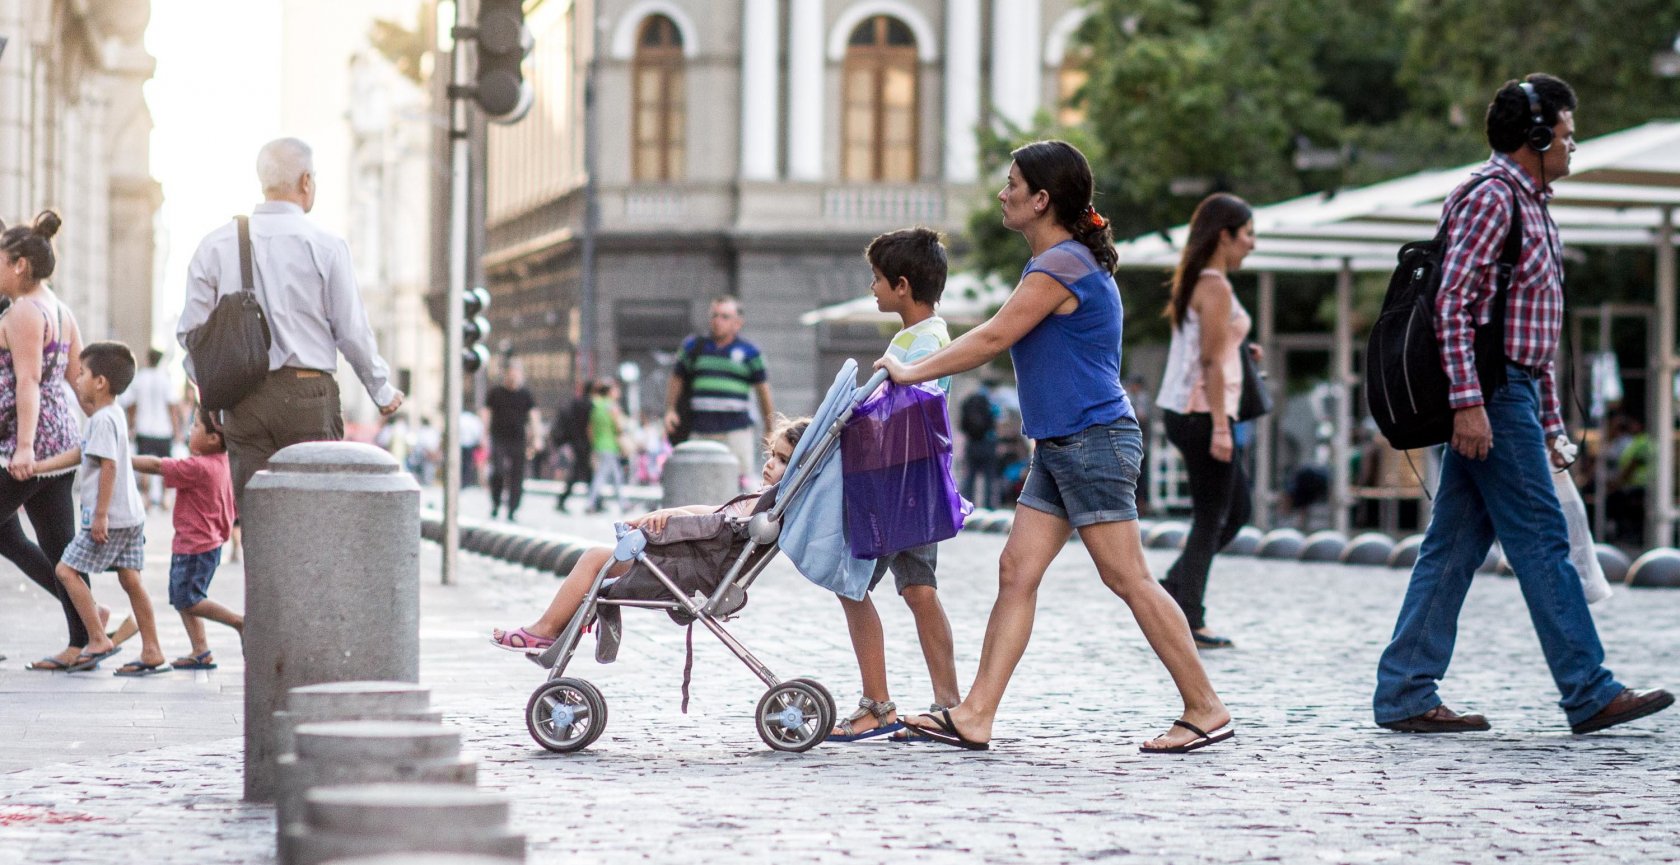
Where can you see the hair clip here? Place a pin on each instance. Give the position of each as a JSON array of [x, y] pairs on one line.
[[1095, 217]]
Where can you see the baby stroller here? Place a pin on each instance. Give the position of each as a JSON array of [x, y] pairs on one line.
[[709, 561]]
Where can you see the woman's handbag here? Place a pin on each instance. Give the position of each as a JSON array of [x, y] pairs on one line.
[[229, 351], [1256, 400]]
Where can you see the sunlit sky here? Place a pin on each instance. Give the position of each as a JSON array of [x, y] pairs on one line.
[[231, 76]]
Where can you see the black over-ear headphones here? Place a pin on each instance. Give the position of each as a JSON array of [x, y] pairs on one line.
[[1539, 135]]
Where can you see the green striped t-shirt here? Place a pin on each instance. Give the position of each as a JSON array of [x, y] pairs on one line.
[[722, 382]]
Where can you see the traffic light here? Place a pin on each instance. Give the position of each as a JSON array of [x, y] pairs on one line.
[[503, 42], [475, 328]]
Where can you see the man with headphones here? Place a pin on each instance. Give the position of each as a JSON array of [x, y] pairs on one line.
[[1495, 479]]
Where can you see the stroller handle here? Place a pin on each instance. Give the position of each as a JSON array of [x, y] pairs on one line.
[[875, 381]]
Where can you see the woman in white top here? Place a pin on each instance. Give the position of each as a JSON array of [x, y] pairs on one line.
[[1199, 395]]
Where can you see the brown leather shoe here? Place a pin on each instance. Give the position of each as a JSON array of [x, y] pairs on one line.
[[1629, 705], [1440, 720]]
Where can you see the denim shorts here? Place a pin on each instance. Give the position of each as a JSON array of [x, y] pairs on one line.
[[189, 576], [1088, 477]]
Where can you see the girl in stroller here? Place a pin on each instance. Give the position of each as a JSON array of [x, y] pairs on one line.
[[542, 633]]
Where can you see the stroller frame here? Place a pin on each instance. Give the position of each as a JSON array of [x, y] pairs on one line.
[[567, 714]]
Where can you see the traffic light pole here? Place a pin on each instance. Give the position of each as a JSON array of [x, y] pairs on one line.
[[460, 147]]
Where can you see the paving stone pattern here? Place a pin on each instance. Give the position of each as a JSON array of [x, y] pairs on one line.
[[1308, 777]]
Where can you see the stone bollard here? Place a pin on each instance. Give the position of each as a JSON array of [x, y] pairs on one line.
[[367, 752], [364, 820], [423, 859], [352, 701], [332, 588], [700, 472]]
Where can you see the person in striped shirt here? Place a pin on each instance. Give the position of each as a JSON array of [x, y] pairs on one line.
[[1495, 479], [723, 373]]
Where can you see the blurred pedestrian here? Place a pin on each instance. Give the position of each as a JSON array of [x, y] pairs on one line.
[[977, 421], [472, 438], [1494, 480], [570, 436], [1199, 394], [720, 371], [306, 285], [509, 412], [1062, 327], [606, 426], [151, 419]]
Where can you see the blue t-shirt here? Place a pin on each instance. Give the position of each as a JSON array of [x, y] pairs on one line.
[[1067, 368]]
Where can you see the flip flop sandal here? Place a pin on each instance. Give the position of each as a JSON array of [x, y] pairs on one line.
[[1202, 740], [48, 664], [946, 732], [910, 735], [867, 708], [200, 661], [521, 640], [135, 669], [85, 661]]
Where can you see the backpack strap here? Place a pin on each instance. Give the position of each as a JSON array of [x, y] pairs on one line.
[[245, 276]]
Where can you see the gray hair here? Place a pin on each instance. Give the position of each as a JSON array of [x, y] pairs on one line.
[[281, 162]]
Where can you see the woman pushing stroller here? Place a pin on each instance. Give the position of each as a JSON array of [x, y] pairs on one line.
[[542, 633]]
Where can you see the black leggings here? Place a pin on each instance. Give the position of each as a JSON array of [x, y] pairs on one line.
[[1219, 506], [52, 511], [507, 473]]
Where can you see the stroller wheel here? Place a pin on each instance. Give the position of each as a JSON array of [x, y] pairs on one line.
[[831, 714], [794, 716], [566, 715]]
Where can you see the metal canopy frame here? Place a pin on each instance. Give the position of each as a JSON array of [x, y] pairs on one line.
[[1623, 191]]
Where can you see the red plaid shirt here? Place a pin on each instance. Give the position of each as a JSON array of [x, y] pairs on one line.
[[1534, 303]]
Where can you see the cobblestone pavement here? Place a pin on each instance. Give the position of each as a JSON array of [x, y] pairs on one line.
[[1308, 778]]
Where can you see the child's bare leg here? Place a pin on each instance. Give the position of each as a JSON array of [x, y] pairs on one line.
[[208, 609], [570, 594], [869, 644], [81, 597], [195, 632], [934, 631], [150, 651]]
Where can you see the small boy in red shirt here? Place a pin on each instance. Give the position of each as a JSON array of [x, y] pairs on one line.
[[203, 518]]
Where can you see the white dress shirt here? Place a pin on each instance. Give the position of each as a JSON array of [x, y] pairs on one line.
[[307, 286]]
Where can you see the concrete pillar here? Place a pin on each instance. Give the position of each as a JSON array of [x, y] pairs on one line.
[[367, 752], [332, 589], [760, 38], [699, 472], [1017, 65], [962, 90], [807, 61], [341, 822]]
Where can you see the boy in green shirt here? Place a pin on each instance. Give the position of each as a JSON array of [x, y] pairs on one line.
[[909, 277]]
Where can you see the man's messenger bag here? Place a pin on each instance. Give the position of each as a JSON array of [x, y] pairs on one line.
[[229, 351]]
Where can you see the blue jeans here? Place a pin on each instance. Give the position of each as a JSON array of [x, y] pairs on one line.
[[1510, 496]]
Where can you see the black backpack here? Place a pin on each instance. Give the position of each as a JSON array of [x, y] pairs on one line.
[[975, 416], [1406, 384], [229, 351]]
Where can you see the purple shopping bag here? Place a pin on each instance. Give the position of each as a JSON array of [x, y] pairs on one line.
[[895, 455]]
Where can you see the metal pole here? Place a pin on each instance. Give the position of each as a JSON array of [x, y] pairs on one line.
[[1662, 492], [1265, 431], [587, 347], [460, 157], [1342, 388]]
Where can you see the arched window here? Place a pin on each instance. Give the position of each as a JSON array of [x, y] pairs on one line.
[[657, 126], [1070, 79], [879, 128]]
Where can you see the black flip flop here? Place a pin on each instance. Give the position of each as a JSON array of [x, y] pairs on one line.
[[947, 733], [1202, 740], [135, 669], [85, 661]]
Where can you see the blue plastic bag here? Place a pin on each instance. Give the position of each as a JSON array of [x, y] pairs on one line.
[[895, 456]]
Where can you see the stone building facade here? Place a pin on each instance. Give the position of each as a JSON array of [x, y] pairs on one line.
[[746, 147], [75, 137]]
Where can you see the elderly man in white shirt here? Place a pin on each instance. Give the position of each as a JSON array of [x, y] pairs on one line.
[[307, 288]]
